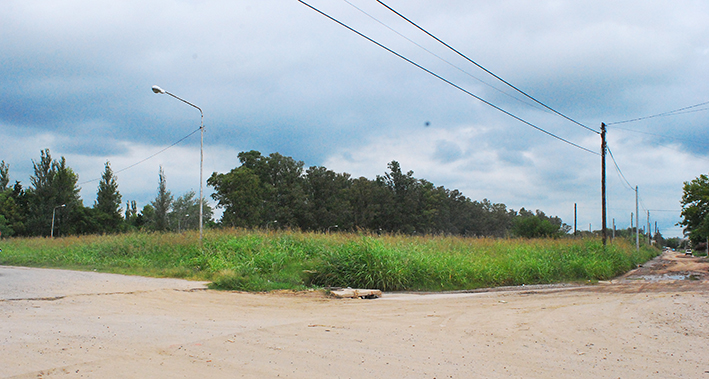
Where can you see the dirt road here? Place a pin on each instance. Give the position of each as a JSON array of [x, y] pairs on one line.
[[653, 323]]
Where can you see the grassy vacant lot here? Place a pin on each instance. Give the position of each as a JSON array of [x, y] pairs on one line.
[[261, 260]]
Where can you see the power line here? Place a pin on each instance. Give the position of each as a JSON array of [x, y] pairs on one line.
[[665, 114], [444, 79], [618, 169], [438, 56], [141, 161], [654, 134], [486, 70]]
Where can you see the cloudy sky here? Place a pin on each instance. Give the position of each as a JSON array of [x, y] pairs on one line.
[[276, 76]]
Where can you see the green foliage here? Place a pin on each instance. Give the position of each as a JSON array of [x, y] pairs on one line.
[[4, 176], [161, 205], [108, 203], [274, 192], [531, 225], [54, 195], [240, 193], [271, 192], [695, 209], [260, 261], [54, 184], [185, 212], [13, 206]]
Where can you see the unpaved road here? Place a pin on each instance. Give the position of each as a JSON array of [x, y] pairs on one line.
[[56, 323]]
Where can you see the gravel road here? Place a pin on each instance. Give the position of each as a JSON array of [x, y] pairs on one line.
[[35, 283], [58, 323]]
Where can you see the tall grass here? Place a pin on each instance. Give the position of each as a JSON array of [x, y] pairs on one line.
[[263, 260]]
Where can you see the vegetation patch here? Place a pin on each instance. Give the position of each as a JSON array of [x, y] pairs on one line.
[[246, 260]]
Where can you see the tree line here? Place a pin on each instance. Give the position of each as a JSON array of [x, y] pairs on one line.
[[276, 191], [272, 192], [51, 204]]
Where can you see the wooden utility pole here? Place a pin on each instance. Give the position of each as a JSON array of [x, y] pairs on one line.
[[603, 182], [637, 222], [575, 219], [649, 230]]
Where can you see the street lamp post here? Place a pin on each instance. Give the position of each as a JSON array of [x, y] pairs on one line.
[[159, 90], [54, 212]]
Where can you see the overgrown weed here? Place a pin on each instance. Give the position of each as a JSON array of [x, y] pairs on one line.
[[263, 260]]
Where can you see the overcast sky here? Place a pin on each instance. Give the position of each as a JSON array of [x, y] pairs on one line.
[[276, 76]]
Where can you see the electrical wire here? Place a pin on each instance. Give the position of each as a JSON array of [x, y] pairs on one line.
[[145, 159], [486, 70], [654, 134], [445, 80], [619, 170], [665, 114], [439, 57]]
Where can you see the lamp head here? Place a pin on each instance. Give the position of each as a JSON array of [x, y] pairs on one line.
[[157, 89]]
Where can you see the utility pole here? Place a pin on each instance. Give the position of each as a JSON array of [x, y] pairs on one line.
[[613, 229], [637, 222], [655, 235], [649, 231], [603, 182], [575, 219]]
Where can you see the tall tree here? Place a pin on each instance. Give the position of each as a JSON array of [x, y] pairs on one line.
[[371, 203], [326, 205], [162, 204], [241, 195], [54, 186], [263, 191], [12, 204], [185, 212], [108, 202], [4, 176], [133, 219], [695, 209], [408, 203], [285, 178], [13, 209]]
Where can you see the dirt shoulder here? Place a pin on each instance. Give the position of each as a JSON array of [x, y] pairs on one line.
[[648, 323]]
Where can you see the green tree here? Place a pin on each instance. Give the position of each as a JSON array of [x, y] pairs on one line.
[[326, 205], [241, 195], [407, 211], [537, 225], [162, 205], [108, 202], [133, 219], [185, 212], [148, 213], [4, 176], [54, 184], [370, 201], [13, 208], [285, 179], [263, 191], [13, 205], [695, 209]]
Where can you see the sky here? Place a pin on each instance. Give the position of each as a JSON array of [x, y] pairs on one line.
[[277, 76]]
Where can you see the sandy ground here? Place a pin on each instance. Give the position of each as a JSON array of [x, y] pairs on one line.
[[652, 323]]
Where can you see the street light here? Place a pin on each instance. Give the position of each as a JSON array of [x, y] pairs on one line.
[[159, 90], [54, 212]]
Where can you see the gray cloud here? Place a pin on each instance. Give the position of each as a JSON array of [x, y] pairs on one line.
[[276, 76]]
